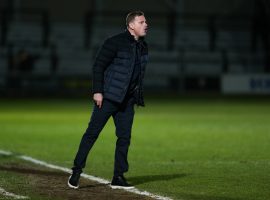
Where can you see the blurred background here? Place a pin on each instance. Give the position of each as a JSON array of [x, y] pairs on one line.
[[47, 47]]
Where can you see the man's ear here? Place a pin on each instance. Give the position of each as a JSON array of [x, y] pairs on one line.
[[131, 25]]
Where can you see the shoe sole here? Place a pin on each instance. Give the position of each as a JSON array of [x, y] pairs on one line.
[[121, 187], [72, 186]]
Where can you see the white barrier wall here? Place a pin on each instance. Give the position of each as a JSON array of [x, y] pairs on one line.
[[246, 84]]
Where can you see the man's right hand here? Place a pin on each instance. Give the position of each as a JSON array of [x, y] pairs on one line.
[[98, 98]]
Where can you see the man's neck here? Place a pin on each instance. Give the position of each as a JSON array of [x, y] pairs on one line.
[[133, 34]]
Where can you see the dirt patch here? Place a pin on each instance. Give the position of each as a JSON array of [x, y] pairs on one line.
[[53, 184]]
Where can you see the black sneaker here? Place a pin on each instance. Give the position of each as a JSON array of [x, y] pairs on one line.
[[119, 182], [73, 181]]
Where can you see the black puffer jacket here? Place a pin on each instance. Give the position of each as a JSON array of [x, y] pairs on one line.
[[114, 64]]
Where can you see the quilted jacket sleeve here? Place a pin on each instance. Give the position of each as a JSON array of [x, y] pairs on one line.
[[103, 59]]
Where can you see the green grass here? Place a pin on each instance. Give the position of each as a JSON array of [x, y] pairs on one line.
[[190, 148]]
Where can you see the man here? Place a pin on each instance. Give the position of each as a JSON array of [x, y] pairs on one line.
[[118, 74]]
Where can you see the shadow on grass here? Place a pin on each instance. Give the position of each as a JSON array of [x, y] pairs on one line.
[[137, 180], [94, 185], [208, 197]]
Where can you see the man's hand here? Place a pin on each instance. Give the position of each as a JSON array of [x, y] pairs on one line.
[[98, 98]]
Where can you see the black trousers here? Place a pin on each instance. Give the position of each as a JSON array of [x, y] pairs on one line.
[[123, 115]]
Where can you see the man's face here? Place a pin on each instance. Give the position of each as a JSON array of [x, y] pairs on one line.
[[139, 26]]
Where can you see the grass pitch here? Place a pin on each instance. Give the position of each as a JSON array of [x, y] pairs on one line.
[[184, 148]]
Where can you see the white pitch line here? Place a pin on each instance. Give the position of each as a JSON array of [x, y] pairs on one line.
[[89, 177], [5, 153], [12, 195]]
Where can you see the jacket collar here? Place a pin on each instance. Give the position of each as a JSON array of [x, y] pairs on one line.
[[132, 38]]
